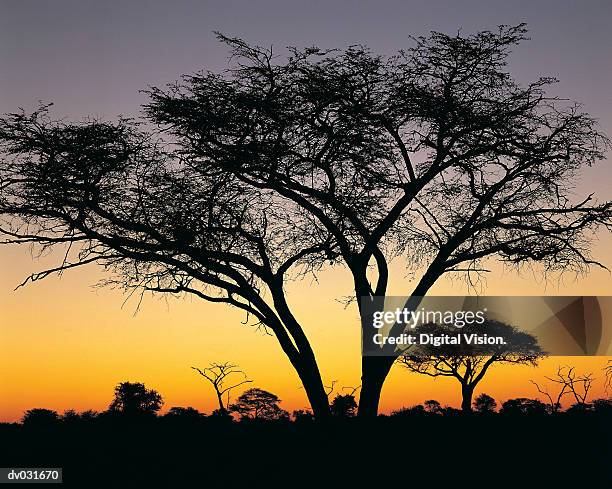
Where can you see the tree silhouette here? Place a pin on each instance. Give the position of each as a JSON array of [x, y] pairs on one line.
[[469, 364], [259, 404], [70, 416], [554, 400], [603, 406], [302, 416], [218, 375], [579, 385], [523, 406], [485, 404], [282, 165], [568, 383], [417, 410], [40, 418], [184, 414], [133, 399], [432, 406], [344, 406]]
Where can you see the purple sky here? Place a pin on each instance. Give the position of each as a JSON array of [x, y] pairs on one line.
[[92, 57]]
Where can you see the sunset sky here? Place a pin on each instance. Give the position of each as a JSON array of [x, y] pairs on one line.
[[64, 344]]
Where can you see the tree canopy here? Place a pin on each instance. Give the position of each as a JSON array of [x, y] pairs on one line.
[[485, 404], [133, 398], [259, 404], [344, 406]]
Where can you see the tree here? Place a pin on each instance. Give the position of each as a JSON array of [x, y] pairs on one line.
[[89, 415], [485, 404], [134, 399], [302, 416], [218, 375], [451, 411], [282, 165], [523, 406], [469, 364], [259, 404], [569, 383], [432, 406], [70, 416], [40, 417], [184, 414], [344, 406], [579, 385], [417, 410], [602, 406]]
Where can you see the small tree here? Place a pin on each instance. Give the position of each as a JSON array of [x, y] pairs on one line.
[[89, 415], [564, 387], [602, 406], [568, 383], [133, 398], [40, 417], [485, 404], [523, 406], [468, 365], [70, 416], [257, 403], [432, 406], [302, 416], [218, 374], [416, 410], [184, 413], [344, 406]]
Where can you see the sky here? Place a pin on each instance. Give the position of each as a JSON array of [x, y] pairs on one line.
[[64, 344]]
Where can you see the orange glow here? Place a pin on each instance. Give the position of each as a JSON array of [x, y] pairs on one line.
[[65, 345]]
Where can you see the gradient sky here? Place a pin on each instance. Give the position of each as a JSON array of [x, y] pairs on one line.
[[65, 345]]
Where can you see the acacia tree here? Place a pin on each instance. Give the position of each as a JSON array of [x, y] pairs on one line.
[[218, 374], [257, 403], [469, 364], [282, 165]]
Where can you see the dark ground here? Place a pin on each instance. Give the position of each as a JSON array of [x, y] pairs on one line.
[[409, 451]]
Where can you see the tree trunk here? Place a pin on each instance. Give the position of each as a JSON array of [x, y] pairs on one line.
[[300, 354], [374, 371], [466, 398], [222, 408], [308, 371]]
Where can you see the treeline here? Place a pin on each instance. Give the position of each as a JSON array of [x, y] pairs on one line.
[[486, 405], [133, 401], [257, 443]]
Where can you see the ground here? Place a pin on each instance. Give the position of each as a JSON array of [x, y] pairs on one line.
[[419, 451]]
